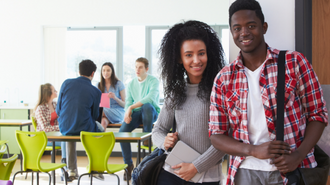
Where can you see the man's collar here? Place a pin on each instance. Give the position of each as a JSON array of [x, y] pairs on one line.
[[238, 63]]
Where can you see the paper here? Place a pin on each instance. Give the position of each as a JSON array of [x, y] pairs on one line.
[[105, 100]]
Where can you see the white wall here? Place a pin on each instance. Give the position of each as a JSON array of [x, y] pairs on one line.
[[281, 25], [22, 23]]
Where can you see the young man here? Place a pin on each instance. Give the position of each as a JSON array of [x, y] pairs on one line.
[[141, 107], [77, 109], [243, 99]]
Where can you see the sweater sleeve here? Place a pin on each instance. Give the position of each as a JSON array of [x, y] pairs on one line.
[[208, 159], [153, 92], [163, 126]]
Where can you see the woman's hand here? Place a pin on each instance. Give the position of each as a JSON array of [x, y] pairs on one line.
[[111, 95], [170, 140], [186, 170]]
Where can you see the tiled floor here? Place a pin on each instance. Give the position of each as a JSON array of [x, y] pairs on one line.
[[82, 163]]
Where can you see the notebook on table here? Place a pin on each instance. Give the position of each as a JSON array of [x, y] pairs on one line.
[[183, 153]]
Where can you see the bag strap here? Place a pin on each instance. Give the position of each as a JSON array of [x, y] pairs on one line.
[[174, 125], [280, 96], [173, 128]]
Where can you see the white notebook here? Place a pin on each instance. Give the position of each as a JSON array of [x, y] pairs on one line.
[[183, 153]]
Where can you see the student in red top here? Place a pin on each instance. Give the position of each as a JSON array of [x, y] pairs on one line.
[[243, 99], [46, 116]]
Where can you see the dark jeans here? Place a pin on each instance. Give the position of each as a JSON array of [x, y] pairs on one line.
[[147, 115], [166, 178]]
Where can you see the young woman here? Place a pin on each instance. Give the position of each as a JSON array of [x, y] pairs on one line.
[[46, 116], [191, 56], [116, 93]]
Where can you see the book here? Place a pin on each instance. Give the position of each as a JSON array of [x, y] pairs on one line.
[[183, 153]]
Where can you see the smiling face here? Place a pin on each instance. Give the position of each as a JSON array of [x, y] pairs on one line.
[[106, 72], [194, 59], [248, 31]]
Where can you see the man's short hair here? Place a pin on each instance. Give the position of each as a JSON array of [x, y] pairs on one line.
[[246, 5], [87, 67], [143, 60]]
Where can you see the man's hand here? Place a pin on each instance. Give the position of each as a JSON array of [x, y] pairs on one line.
[[186, 170], [288, 162], [170, 140], [271, 149], [128, 115]]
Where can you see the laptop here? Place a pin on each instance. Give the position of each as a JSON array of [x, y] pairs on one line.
[[183, 153]]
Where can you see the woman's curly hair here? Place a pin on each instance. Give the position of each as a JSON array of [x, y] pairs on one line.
[[173, 73]]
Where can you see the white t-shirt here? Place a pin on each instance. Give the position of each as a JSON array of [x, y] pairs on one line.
[[257, 125]]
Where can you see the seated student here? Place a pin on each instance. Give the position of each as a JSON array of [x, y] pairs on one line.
[[116, 93], [46, 116], [77, 109], [141, 107], [191, 55]]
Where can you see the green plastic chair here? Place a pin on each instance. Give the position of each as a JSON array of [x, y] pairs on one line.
[[3, 148], [6, 165], [48, 148], [32, 145], [98, 146]]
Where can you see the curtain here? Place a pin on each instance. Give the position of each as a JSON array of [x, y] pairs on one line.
[[54, 56]]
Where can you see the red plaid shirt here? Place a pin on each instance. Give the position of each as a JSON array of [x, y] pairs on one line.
[[43, 117], [303, 100]]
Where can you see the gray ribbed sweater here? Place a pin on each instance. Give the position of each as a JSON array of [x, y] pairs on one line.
[[192, 127]]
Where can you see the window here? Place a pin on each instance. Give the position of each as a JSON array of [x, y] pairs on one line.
[[96, 44], [122, 46], [134, 47], [154, 37], [223, 34]]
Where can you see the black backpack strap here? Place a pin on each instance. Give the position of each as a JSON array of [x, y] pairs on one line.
[[280, 96]]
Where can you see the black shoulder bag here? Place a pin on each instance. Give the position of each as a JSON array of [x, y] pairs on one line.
[[300, 176], [146, 173]]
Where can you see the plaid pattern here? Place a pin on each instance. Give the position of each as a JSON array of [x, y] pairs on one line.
[[303, 99], [43, 117]]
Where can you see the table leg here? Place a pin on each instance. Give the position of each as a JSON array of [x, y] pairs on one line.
[[20, 152], [53, 161], [138, 153], [149, 145]]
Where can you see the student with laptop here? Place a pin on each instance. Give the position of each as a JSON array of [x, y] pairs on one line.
[[191, 55]]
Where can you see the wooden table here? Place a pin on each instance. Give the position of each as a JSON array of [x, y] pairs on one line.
[[15, 123], [118, 125], [119, 136]]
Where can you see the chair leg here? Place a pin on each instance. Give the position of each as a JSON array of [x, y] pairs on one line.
[[37, 178], [65, 176], [27, 174], [31, 178], [118, 179], [81, 176], [16, 174], [91, 182], [50, 178], [127, 176]]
